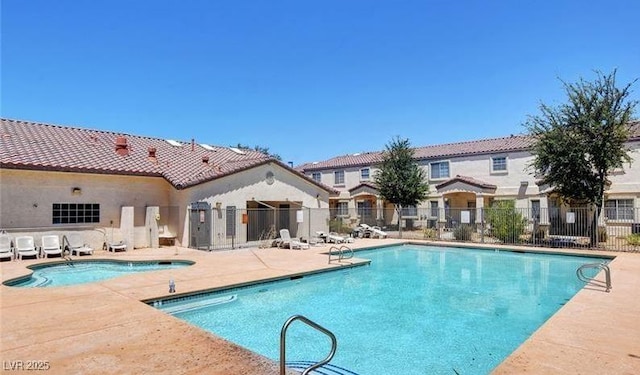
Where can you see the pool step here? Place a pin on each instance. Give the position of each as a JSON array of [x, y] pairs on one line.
[[327, 369], [194, 305]]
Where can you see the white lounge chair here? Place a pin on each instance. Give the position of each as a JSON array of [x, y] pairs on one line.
[[77, 245], [286, 240], [336, 238], [117, 246], [6, 250], [373, 231], [50, 246], [25, 247]]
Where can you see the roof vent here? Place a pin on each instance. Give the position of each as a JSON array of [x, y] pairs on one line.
[[122, 148], [205, 159], [152, 152]]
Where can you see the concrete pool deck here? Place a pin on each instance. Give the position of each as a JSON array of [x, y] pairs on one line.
[[102, 328]]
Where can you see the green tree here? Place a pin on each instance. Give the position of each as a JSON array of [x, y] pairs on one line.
[[507, 224], [264, 150], [579, 143], [400, 179]]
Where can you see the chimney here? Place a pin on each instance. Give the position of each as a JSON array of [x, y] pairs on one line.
[[122, 148], [205, 159]]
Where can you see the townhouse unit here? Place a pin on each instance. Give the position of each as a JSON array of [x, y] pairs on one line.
[[464, 178], [143, 190]]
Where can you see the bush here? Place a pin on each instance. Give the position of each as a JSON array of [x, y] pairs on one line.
[[462, 233], [429, 233], [338, 226], [507, 224], [634, 239]]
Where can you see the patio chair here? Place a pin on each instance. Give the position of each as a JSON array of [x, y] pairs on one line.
[[25, 247], [286, 240], [336, 238], [76, 244], [117, 246], [372, 232], [50, 246], [6, 250]]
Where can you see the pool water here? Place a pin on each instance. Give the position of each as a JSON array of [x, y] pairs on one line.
[[71, 273], [414, 310]]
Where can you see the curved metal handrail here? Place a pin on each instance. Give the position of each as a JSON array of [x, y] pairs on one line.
[[340, 252], [342, 249], [592, 280], [312, 324]]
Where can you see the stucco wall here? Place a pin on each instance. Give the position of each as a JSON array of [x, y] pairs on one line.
[[237, 189]]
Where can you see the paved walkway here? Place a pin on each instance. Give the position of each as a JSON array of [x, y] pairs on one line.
[[102, 328]]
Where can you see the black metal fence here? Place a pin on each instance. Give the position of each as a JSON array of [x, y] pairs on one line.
[[213, 228]]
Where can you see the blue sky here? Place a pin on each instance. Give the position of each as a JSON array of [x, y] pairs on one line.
[[308, 79]]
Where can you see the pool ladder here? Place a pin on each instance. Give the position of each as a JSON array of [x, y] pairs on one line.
[[592, 280], [312, 324], [340, 252]]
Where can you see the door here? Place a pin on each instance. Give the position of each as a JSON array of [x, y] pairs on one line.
[[200, 225]]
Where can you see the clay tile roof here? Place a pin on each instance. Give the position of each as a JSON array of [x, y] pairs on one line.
[[38, 146], [351, 160], [364, 184], [468, 180]]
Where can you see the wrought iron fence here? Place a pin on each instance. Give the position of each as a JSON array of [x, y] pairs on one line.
[[212, 228]]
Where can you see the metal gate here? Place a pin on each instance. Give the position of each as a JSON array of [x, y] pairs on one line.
[[200, 225]]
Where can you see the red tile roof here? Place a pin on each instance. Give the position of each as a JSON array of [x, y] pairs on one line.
[[38, 146], [483, 146], [467, 180]]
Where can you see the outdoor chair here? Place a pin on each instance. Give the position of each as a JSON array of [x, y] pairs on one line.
[[50, 246], [25, 247]]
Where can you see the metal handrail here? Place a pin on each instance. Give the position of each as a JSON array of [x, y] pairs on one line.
[[312, 324], [592, 280], [340, 253]]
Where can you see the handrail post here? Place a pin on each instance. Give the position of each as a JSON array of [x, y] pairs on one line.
[[312, 324], [592, 280]]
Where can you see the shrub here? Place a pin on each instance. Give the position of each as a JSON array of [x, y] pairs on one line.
[[429, 233], [634, 239], [462, 233], [507, 224]]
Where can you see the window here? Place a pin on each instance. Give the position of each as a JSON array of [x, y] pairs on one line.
[[364, 209], [535, 209], [439, 170], [338, 178], [410, 211], [364, 174], [75, 213], [316, 176], [231, 221], [619, 209], [342, 209], [434, 208], [499, 164]]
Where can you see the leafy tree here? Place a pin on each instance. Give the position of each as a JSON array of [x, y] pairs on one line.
[[579, 143], [400, 179], [264, 150], [507, 224]]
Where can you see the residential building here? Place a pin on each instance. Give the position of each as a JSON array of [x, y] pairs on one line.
[[464, 178], [143, 190]]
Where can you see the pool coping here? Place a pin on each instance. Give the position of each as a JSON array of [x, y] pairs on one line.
[[109, 341]]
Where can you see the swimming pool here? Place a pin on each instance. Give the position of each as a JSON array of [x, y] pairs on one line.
[[414, 310], [81, 272]]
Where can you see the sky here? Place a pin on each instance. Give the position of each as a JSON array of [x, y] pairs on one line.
[[307, 79]]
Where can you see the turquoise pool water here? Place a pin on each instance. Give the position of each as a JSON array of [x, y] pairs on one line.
[[414, 310], [71, 273]]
